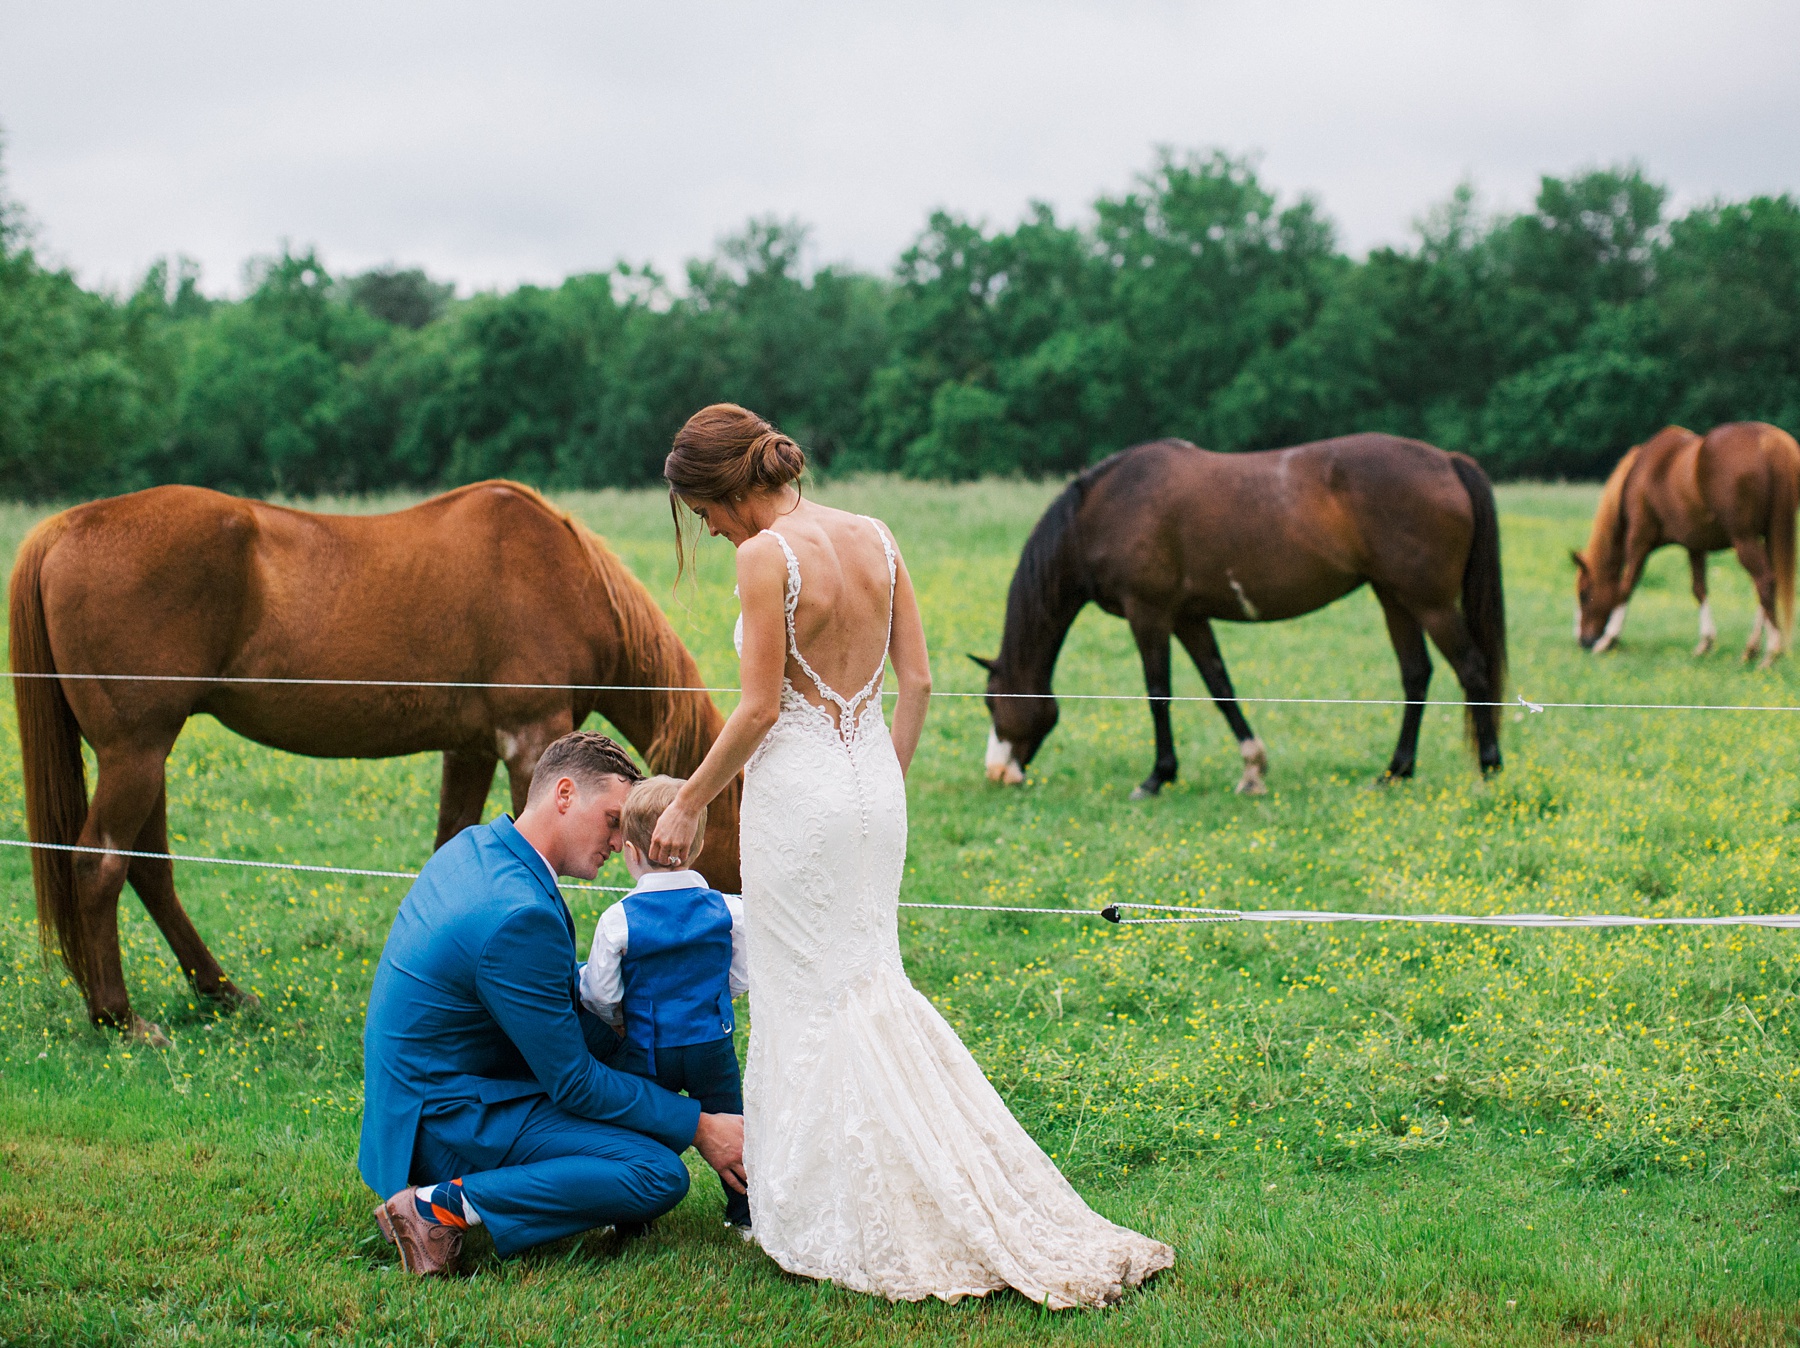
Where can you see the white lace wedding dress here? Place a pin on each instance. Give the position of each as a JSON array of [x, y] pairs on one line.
[[878, 1154]]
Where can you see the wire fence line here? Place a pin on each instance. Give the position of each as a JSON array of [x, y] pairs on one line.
[[1520, 701], [1114, 913], [252, 864]]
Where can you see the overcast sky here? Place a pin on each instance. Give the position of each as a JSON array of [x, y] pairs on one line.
[[499, 143]]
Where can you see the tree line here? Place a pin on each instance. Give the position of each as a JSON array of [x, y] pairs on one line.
[[1195, 304]]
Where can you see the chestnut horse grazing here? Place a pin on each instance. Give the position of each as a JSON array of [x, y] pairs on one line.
[[1737, 488], [487, 584], [1170, 537]]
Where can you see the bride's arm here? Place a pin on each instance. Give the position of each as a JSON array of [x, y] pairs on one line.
[[762, 590], [912, 667]]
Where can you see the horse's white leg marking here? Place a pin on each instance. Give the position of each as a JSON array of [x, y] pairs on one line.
[[1771, 641], [1002, 766], [1756, 632], [1256, 762], [1615, 624], [1709, 631], [508, 744], [1242, 598]]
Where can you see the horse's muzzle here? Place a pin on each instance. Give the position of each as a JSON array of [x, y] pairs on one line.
[[1002, 762]]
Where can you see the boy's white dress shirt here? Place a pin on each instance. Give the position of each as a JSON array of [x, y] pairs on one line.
[[602, 983]]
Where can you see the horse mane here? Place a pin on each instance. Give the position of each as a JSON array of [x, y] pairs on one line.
[[1609, 518], [1048, 588], [649, 654]]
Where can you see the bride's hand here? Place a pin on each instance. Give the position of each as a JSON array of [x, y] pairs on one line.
[[674, 834]]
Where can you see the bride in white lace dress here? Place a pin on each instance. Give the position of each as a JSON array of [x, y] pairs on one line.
[[878, 1154]]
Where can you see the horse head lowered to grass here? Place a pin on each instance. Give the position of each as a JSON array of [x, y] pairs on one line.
[[1171, 537], [487, 585], [1737, 487]]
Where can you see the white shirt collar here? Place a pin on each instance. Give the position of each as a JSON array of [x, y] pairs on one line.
[[658, 880]]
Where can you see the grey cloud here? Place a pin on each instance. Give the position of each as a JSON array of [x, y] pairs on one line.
[[500, 144]]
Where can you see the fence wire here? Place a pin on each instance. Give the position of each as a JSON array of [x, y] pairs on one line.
[[1115, 913], [1519, 701]]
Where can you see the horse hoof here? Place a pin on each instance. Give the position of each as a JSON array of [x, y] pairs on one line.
[[1145, 792], [147, 1033], [1389, 777], [1704, 648], [1256, 762], [228, 996]]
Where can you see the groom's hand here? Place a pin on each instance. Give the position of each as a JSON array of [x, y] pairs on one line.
[[720, 1140]]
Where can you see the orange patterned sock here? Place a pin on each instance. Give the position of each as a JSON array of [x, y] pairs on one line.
[[446, 1204]]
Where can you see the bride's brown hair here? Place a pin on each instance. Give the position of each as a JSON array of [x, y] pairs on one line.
[[722, 454]]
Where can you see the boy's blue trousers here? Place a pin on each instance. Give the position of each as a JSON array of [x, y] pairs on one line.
[[705, 1072]]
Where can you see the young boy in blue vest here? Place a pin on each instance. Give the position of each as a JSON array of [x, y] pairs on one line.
[[666, 961]]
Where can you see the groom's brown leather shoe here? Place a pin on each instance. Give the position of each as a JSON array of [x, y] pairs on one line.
[[426, 1248]]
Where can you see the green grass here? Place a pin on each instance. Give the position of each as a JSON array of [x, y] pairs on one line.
[[1351, 1134]]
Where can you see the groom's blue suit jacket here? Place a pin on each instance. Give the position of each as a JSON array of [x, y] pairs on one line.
[[476, 1010]]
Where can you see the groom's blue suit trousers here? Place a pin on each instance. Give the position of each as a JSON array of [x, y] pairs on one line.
[[563, 1174]]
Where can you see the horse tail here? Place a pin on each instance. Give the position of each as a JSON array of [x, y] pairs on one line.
[[56, 798], [1784, 499], [1483, 595]]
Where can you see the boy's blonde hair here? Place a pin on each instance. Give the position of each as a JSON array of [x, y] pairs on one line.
[[644, 806]]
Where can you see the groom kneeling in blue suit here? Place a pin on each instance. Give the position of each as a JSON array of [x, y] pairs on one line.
[[485, 1099]]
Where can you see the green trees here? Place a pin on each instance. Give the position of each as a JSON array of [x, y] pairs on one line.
[[1727, 312], [87, 382], [585, 385], [268, 390], [1196, 304], [1041, 349]]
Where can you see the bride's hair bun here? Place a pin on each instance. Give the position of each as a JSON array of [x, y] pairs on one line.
[[775, 460], [725, 451]]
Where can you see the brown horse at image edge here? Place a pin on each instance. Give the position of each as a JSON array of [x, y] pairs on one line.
[[1171, 537], [489, 584], [1737, 487]]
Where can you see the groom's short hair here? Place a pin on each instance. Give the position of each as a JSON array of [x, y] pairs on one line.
[[585, 757]]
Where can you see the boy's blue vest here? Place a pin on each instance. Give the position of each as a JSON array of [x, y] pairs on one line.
[[676, 968]]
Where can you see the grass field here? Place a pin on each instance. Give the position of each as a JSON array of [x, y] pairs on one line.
[[1368, 1134]]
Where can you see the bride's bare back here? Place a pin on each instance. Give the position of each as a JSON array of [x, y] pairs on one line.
[[842, 620]]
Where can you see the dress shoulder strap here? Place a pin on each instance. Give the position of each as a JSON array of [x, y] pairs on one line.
[[887, 546], [793, 580]]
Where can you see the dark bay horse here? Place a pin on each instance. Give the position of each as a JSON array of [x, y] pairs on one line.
[[1171, 537], [487, 584], [1737, 487]]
